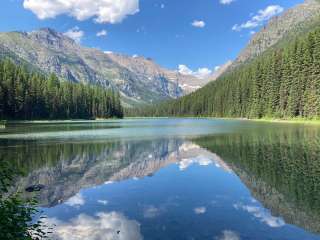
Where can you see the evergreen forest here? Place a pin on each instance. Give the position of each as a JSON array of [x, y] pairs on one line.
[[283, 83], [26, 95]]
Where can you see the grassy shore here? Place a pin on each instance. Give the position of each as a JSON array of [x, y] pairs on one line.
[[292, 120], [271, 120], [3, 123]]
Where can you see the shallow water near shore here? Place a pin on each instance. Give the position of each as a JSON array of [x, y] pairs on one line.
[[171, 178]]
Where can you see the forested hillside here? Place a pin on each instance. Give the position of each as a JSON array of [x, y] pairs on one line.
[[281, 83], [28, 95], [139, 80]]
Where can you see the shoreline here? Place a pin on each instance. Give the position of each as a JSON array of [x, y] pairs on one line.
[[3, 123], [297, 121], [267, 120]]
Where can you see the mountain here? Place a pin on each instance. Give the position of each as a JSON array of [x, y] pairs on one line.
[[145, 67], [139, 80], [79, 166], [291, 23], [275, 76]]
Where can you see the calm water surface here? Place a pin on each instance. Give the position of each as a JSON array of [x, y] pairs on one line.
[[171, 178]]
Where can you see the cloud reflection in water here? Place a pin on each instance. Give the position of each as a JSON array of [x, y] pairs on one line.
[[104, 226]]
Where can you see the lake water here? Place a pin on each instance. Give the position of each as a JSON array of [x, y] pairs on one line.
[[171, 178]]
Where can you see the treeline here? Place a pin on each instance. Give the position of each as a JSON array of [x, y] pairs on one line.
[[281, 159], [28, 95], [282, 83]]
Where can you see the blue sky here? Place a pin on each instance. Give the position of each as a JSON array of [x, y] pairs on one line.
[[195, 33]]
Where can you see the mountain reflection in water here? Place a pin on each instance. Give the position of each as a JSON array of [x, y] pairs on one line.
[[244, 185]]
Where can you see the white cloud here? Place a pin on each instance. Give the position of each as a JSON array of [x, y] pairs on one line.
[[200, 210], [151, 212], [102, 33], [162, 6], [108, 182], [201, 160], [262, 214], [228, 235], [135, 56], [103, 202], [103, 11], [184, 70], [226, 2], [201, 73], [262, 16], [75, 33], [103, 226], [217, 68], [198, 24], [108, 52], [76, 200]]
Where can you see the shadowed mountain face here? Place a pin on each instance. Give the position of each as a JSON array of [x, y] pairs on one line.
[[138, 79]]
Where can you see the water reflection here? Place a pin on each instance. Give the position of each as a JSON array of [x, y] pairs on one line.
[[103, 225], [241, 185], [66, 169], [281, 168]]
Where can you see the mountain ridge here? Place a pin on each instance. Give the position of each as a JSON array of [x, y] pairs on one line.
[[279, 80], [138, 79], [291, 22]]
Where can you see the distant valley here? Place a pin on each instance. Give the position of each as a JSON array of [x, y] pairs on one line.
[[138, 79]]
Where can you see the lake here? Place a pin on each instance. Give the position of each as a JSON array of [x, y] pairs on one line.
[[170, 178]]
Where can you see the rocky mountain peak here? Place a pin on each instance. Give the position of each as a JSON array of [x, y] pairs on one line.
[[51, 37], [311, 1], [292, 21], [138, 79]]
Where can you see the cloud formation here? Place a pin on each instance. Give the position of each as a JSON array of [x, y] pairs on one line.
[[103, 11], [103, 202], [100, 227], [201, 160], [198, 24], [75, 201], [217, 68], [261, 17], [201, 73], [200, 210], [262, 214], [151, 212], [75, 33], [226, 2], [102, 33], [228, 235]]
